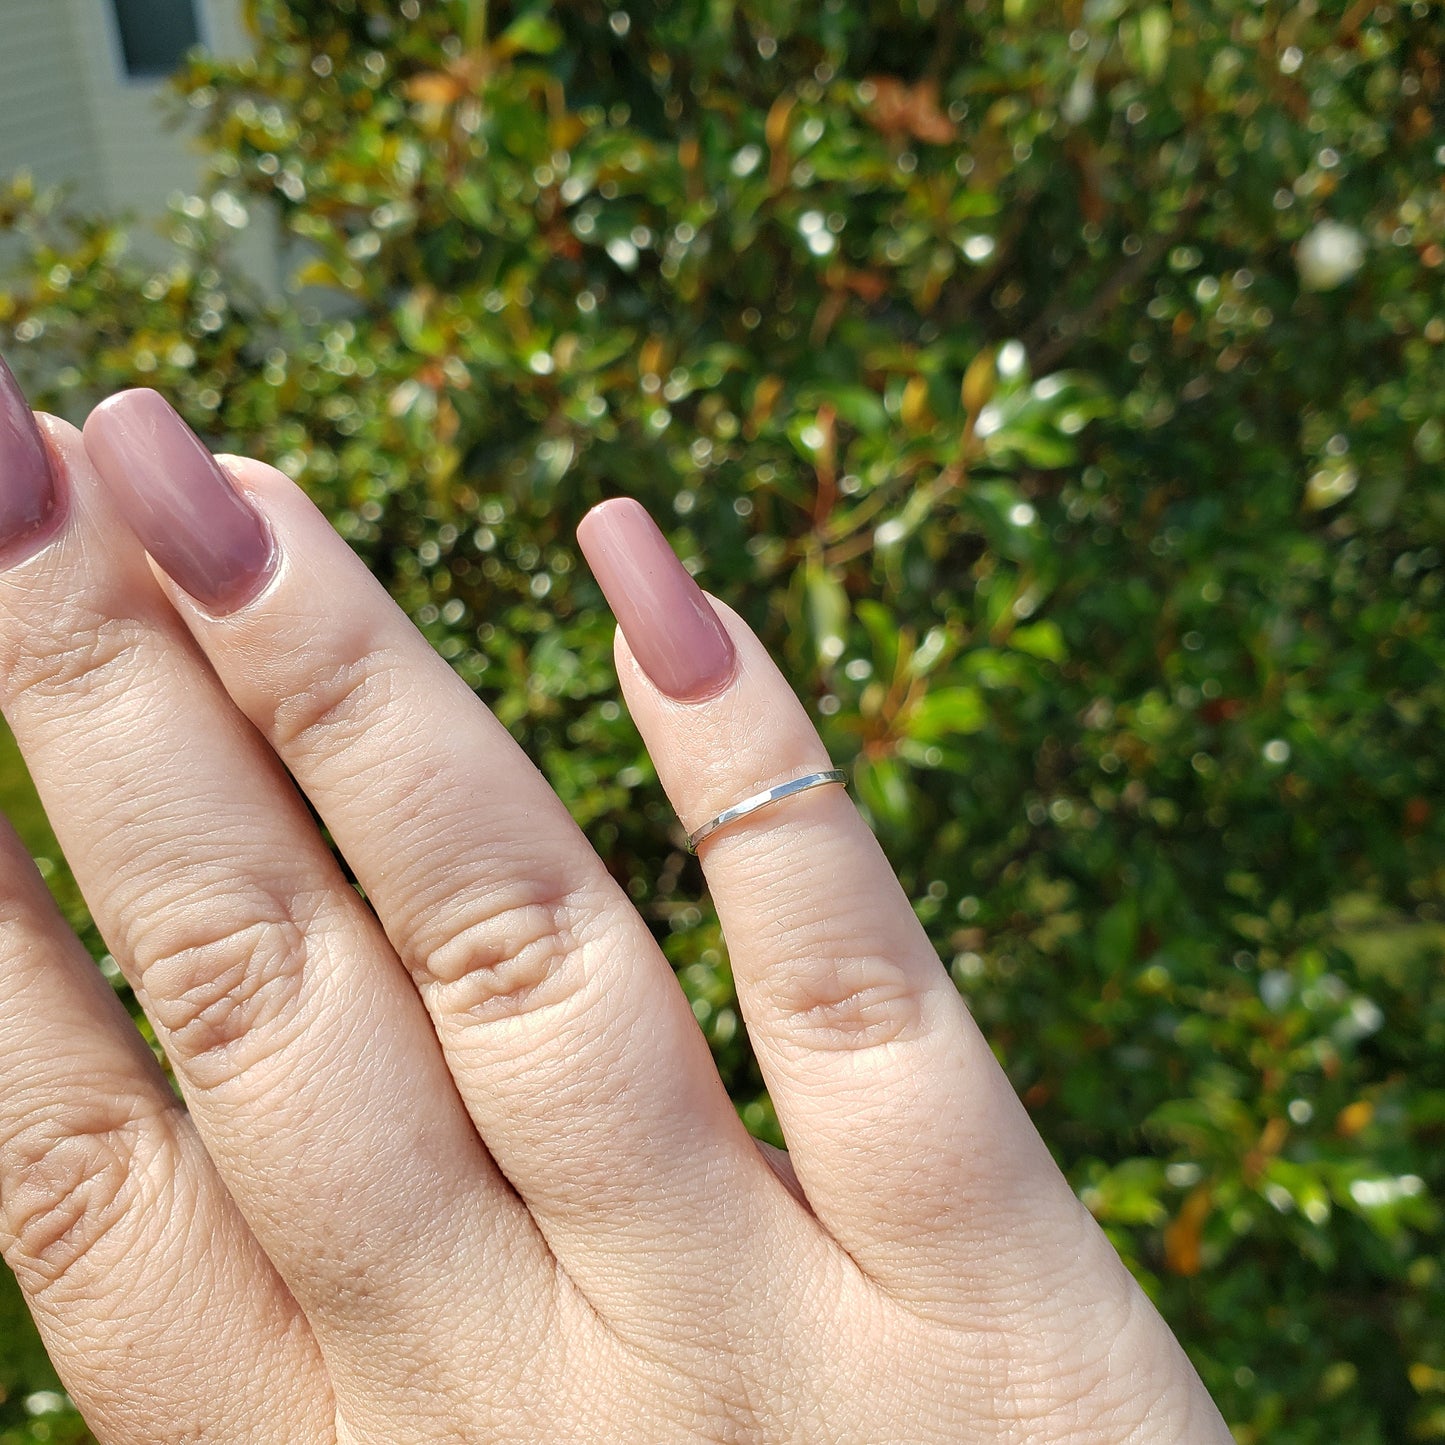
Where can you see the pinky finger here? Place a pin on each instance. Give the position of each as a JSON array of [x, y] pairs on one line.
[[160, 1313]]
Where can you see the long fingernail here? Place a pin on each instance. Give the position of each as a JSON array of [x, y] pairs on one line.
[[180, 504], [29, 501], [669, 625]]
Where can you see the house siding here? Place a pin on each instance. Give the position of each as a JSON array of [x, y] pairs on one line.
[[47, 124], [70, 114], [142, 158]]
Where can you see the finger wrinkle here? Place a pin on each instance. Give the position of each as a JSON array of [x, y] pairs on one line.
[[336, 709], [226, 982], [845, 1004], [507, 952], [81, 654], [70, 1175]]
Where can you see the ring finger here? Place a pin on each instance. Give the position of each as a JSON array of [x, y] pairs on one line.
[[904, 1132]]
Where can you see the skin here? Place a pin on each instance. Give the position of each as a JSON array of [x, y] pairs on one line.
[[462, 1169]]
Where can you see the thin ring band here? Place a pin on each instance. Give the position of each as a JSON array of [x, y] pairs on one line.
[[762, 800]]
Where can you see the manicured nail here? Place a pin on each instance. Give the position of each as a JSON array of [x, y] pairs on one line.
[[28, 497], [669, 625], [180, 504]]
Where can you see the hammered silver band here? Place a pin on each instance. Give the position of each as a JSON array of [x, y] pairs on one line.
[[763, 800]]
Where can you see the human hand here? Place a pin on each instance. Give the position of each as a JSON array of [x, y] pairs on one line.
[[462, 1168]]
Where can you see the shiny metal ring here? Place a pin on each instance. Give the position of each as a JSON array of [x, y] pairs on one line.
[[762, 800]]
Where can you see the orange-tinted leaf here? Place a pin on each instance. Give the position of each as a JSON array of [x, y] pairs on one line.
[[1354, 1118], [899, 110], [434, 87], [1182, 1237]]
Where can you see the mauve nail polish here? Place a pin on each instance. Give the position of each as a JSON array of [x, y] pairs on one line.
[[669, 625], [178, 501], [28, 499]]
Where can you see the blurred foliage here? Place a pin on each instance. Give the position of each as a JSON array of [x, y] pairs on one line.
[[1060, 390]]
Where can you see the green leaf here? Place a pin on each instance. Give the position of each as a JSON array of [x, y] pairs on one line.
[[881, 625], [860, 408], [532, 34], [884, 791], [1116, 937], [1155, 29], [1042, 639], [828, 611], [947, 711]]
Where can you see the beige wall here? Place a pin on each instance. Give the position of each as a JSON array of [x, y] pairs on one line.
[[141, 159], [46, 121], [69, 113]]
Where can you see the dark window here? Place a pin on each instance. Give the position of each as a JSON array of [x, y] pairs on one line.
[[155, 34]]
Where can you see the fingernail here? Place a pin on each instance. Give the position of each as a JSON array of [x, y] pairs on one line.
[[669, 625], [178, 501], [28, 497]]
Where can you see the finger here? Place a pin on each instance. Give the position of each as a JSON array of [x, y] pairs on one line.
[[570, 1042], [130, 1253], [311, 1071], [905, 1134]]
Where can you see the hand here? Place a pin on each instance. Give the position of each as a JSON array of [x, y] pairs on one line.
[[462, 1168]]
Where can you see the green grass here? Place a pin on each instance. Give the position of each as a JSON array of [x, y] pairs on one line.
[[19, 803], [24, 1368]]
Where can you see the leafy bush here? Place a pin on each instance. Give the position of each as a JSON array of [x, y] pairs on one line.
[[1060, 390]]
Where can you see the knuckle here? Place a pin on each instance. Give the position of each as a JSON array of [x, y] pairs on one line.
[[509, 953], [845, 1004], [334, 709], [1075, 1364], [68, 1182], [1128, 1385], [227, 996], [79, 657]]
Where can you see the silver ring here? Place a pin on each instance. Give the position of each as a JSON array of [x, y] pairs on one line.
[[762, 800]]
